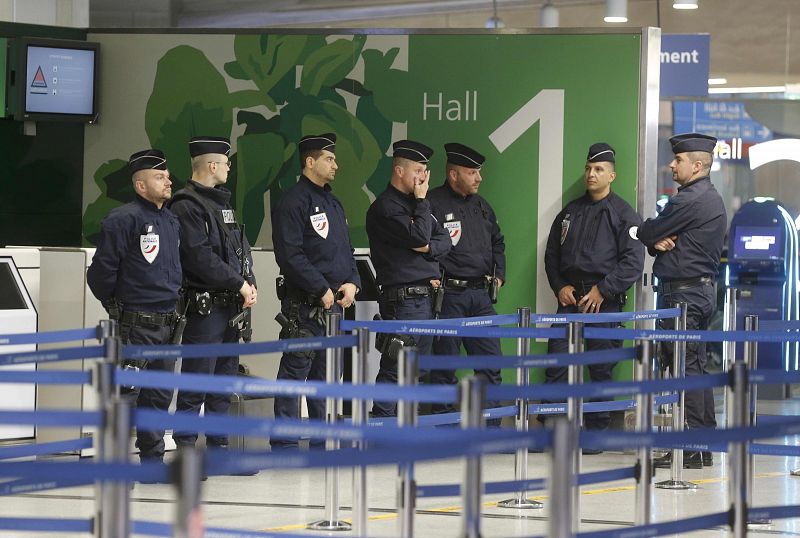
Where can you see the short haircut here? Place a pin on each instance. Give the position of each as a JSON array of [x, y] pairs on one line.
[[705, 159], [198, 162], [313, 153], [610, 165], [139, 175]]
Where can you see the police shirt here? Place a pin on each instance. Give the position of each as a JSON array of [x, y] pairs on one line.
[[696, 214], [397, 223], [210, 257], [137, 260], [592, 238], [478, 245], [311, 241]]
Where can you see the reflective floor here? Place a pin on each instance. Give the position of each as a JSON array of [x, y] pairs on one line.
[[285, 501]]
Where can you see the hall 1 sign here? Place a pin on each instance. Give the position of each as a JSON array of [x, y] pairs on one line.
[[732, 150]]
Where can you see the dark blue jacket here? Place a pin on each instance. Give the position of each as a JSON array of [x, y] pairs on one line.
[[310, 260], [469, 219], [120, 270], [397, 223], [210, 258], [696, 214], [590, 241]]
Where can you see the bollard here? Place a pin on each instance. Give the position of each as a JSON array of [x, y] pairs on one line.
[[333, 375], [408, 374], [737, 452], [678, 411], [729, 348], [521, 501], [562, 480], [750, 357], [473, 394], [186, 470], [644, 423], [575, 344], [360, 418]]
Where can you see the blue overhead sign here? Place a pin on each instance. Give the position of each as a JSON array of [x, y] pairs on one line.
[[684, 65], [722, 119]]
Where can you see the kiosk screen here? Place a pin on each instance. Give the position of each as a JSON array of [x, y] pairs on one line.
[[757, 242], [10, 295]]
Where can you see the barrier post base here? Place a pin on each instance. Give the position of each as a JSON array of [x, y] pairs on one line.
[[520, 504], [327, 525], [758, 523], [795, 472], [675, 484]]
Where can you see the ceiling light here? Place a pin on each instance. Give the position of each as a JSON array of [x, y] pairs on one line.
[[616, 11], [750, 89], [717, 81], [684, 4], [548, 16]]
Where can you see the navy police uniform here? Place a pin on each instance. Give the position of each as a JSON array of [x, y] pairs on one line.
[[396, 224], [696, 215], [477, 255], [589, 245], [136, 275], [213, 277], [314, 252]]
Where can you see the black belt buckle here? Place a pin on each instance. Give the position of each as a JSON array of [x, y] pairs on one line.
[[419, 291], [456, 283]]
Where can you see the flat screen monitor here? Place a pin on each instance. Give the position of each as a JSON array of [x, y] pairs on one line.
[[57, 80], [758, 243]]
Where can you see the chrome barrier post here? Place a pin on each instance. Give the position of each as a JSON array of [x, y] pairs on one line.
[[737, 452], [520, 500], [116, 520], [729, 348], [676, 480], [562, 480], [472, 395], [575, 344], [360, 418], [186, 470], [644, 424], [408, 374], [751, 361], [333, 376]]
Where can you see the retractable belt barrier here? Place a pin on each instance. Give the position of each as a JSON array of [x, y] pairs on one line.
[[50, 337], [52, 355]]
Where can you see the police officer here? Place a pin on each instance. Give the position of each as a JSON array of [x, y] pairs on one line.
[[136, 275], [476, 260], [405, 241], [313, 250], [686, 239], [218, 275], [591, 260]]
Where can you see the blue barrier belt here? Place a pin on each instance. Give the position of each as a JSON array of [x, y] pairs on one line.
[[607, 317], [659, 529], [690, 336], [38, 449], [51, 418], [16, 487], [598, 407], [49, 337], [477, 321], [769, 376], [47, 377], [51, 355], [194, 351], [455, 362], [105, 472], [560, 391], [778, 325], [46, 524], [219, 384], [774, 512], [774, 450], [428, 329]]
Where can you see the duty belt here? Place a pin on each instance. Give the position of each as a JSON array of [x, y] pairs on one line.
[[463, 284], [684, 284], [401, 293], [150, 319]]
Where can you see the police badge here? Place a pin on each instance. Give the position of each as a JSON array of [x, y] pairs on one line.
[[320, 224], [149, 246], [454, 229]]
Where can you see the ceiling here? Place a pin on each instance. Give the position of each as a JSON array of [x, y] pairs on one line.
[[753, 42]]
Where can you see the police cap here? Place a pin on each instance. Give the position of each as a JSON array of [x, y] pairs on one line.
[[413, 151], [601, 153], [148, 159], [201, 145], [325, 142], [461, 155], [684, 143]]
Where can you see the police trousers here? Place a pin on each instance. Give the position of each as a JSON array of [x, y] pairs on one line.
[[210, 329], [149, 443], [410, 308], [464, 303], [701, 303]]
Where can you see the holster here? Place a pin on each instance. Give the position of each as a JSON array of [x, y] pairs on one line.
[[493, 290], [390, 344]]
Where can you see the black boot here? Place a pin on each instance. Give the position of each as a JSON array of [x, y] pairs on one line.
[[691, 460], [708, 459]]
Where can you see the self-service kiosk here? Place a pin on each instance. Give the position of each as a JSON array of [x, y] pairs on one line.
[[763, 264]]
